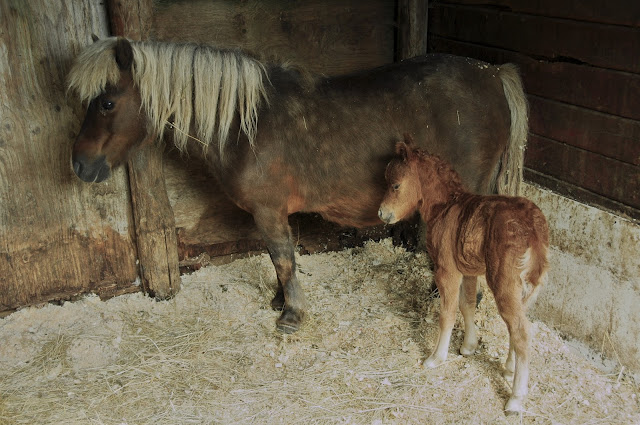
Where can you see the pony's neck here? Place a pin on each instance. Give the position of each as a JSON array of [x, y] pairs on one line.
[[440, 185]]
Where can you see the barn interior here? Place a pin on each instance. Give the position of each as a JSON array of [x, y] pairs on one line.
[[162, 220]]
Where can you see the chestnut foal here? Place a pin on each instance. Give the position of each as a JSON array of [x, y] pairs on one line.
[[505, 238]]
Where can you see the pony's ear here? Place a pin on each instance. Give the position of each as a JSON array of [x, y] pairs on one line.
[[124, 54], [402, 150], [408, 140]]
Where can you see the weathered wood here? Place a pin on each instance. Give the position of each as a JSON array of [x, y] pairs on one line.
[[58, 236], [328, 36], [607, 46], [603, 90], [607, 177], [411, 39], [619, 12], [154, 221], [603, 134]]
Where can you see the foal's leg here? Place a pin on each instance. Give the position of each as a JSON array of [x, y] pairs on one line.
[[289, 295], [468, 308], [448, 283], [507, 289]]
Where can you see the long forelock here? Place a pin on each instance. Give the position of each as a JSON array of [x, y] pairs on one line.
[[180, 84]]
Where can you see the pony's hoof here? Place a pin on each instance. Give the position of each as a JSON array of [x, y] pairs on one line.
[[289, 321], [467, 351], [433, 362], [514, 406]]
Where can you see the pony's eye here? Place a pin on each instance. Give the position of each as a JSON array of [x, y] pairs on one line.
[[107, 105], [396, 186]]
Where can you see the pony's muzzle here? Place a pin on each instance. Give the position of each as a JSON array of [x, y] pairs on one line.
[[386, 216], [89, 171]]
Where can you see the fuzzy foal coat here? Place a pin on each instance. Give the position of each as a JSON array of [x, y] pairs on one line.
[[505, 238]]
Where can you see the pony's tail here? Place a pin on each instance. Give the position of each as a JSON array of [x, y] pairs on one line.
[[535, 262], [512, 160]]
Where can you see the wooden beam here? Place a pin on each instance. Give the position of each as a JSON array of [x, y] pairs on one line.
[[412, 28], [153, 216]]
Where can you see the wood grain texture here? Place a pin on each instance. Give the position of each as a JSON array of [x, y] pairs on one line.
[[154, 221], [606, 46], [620, 12], [411, 39], [58, 236]]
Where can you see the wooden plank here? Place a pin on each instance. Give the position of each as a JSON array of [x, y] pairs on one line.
[[607, 135], [411, 39], [154, 222], [604, 176], [606, 46], [620, 12], [603, 90], [59, 237], [327, 36]]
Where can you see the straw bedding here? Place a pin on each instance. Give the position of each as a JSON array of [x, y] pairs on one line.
[[212, 355]]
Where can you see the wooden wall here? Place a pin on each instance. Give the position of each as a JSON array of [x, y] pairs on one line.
[[580, 61], [323, 36], [58, 235]]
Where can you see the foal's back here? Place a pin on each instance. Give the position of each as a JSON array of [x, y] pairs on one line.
[[481, 231]]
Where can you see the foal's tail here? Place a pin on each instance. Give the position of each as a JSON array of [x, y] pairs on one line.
[[536, 260], [512, 160]]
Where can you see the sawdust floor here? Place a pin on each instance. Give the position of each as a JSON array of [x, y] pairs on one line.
[[212, 355]]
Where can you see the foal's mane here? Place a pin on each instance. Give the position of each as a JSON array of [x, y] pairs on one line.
[[179, 83], [449, 178]]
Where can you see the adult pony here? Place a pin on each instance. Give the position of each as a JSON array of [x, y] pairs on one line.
[[279, 141]]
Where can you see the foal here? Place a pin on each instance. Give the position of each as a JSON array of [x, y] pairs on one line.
[[505, 238]]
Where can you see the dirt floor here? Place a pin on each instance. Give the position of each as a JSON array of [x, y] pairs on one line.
[[212, 355]]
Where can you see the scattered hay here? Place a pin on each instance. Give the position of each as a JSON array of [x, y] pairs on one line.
[[212, 355]]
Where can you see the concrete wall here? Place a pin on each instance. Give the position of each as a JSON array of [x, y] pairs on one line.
[[593, 293]]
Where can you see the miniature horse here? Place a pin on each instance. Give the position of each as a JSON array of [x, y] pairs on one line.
[[279, 141], [505, 238]]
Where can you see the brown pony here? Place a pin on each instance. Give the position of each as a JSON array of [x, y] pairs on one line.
[[505, 238], [279, 142]]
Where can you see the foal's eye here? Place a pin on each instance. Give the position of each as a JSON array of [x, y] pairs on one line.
[[396, 186], [107, 105]]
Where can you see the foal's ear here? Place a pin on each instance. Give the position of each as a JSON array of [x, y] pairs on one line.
[[124, 54], [402, 150]]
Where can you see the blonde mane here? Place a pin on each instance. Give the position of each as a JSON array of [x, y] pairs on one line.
[[181, 83]]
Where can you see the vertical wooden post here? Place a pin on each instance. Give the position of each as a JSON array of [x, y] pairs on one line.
[[411, 37], [154, 221]]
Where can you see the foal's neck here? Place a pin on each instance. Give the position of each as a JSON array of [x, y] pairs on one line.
[[441, 186]]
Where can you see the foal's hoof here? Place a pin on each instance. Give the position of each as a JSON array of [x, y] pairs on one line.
[[289, 321], [514, 406]]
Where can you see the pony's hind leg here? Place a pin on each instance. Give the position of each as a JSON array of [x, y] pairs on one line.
[[289, 298], [468, 297], [448, 284], [507, 289]]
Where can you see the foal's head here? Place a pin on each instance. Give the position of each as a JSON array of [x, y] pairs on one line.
[[416, 180], [403, 194], [114, 122]]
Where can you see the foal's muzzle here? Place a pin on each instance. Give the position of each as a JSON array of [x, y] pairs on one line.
[[89, 171], [386, 216]]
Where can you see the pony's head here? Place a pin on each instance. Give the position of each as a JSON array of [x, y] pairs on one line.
[[135, 90], [114, 122], [403, 195], [417, 180]]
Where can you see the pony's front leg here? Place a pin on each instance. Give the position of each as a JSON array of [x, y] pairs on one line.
[[448, 283], [289, 298]]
